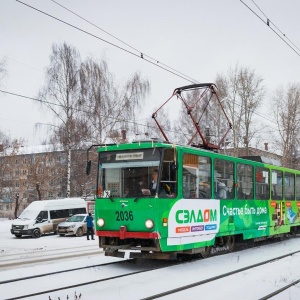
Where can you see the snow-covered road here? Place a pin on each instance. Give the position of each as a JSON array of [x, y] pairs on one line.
[[250, 284]]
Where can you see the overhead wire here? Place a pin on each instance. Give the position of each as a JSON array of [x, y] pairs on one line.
[[274, 25], [110, 43], [267, 22], [103, 115], [133, 48], [77, 109], [140, 55]]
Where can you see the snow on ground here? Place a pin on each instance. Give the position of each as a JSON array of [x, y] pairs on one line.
[[244, 285]]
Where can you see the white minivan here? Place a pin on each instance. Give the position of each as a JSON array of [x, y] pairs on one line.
[[43, 216]]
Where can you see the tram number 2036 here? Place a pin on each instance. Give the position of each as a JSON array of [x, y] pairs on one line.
[[124, 215]]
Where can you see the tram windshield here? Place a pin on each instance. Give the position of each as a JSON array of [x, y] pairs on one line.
[[137, 173]]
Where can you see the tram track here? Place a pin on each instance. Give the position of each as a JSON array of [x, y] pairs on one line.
[[279, 291], [114, 276], [137, 272], [27, 258], [227, 274], [57, 272], [77, 285]]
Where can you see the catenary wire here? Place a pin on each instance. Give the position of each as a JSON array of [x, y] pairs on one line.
[[105, 116], [121, 40], [133, 48], [77, 109], [105, 41], [266, 22], [137, 55], [274, 25]]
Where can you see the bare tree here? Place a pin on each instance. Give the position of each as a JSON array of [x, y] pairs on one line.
[[133, 95], [45, 175], [62, 90], [183, 127], [251, 92], [108, 108], [3, 70], [152, 131], [242, 92], [287, 113], [98, 98], [204, 107]]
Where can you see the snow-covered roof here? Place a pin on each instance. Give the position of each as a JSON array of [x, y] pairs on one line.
[[23, 150]]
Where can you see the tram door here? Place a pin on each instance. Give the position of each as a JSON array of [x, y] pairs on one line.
[[279, 213], [277, 194]]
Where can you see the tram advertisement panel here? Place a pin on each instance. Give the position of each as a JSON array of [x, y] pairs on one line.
[[193, 221]]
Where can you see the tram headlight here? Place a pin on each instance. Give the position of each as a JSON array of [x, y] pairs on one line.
[[149, 224], [100, 222]]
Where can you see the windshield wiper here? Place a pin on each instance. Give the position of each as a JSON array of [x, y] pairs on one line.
[[109, 196]]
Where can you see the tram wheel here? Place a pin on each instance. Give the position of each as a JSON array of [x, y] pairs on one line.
[[206, 252], [230, 242]]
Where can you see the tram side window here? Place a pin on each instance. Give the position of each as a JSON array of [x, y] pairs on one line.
[[168, 181], [262, 183], [245, 181], [277, 185], [289, 186], [297, 187], [223, 175], [196, 181]]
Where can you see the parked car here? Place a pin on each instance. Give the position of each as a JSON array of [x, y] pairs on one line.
[[43, 216], [75, 225]]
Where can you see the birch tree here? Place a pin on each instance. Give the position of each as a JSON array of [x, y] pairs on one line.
[[110, 108], [62, 94], [242, 92], [286, 108]]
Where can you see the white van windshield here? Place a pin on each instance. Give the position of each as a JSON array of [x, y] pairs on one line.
[[29, 214]]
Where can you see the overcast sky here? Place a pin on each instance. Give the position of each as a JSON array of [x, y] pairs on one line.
[[196, 37]]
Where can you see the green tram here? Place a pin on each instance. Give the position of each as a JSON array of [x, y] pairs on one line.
[[201, 204]]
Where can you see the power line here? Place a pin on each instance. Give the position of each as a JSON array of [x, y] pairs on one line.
[[267, 22], [105, 41], [133, 48], [76, 109], [275, 25], [104, 116]]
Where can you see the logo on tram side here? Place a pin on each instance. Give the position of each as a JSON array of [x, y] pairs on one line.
[[200, 216], [192, 216], [193, 221]]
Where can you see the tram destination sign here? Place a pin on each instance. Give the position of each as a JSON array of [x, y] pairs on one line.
[[130, 156]]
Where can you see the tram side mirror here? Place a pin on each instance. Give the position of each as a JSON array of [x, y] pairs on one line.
[[88, 167]]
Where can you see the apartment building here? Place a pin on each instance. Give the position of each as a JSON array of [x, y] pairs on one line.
[[35, 173]]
